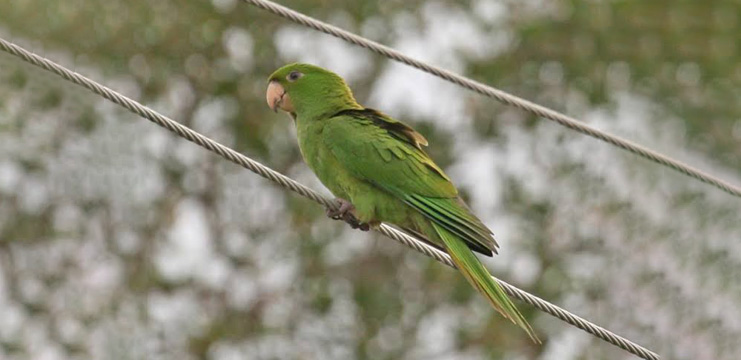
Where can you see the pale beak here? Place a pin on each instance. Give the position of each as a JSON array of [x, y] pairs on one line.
[[277, 97]]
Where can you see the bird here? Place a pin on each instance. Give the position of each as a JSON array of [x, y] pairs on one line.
[[378, 171]]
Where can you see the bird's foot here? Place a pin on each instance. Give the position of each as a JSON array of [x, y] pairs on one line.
[[343, 207], [355, 224], [345, 212]]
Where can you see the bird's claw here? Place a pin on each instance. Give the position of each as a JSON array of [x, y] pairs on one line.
[[343, 208], [355, 223], [344, 212]]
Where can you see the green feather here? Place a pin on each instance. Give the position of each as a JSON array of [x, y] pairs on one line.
[[444, 212], [481, 280]]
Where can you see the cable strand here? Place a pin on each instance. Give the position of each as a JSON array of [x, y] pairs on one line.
[[286, 182], [497, 94]]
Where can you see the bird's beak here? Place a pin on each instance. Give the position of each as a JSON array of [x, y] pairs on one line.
[[278, 98]]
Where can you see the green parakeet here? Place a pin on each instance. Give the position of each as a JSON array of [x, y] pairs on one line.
[[377, 169]]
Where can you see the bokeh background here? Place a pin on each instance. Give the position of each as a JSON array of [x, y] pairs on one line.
[[119, 240]]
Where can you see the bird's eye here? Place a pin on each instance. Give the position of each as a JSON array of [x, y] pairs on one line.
[[294, 75]]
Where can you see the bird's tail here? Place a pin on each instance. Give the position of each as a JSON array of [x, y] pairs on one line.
[[476, 274]]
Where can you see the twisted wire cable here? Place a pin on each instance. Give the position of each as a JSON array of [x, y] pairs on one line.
[[286, 182], [499, 95]]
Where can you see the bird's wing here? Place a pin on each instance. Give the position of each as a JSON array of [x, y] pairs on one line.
[[395, 127], [387, 153]]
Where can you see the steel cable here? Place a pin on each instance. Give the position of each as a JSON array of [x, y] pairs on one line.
[[497, 94]]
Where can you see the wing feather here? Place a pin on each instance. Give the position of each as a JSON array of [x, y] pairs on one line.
[[387, 156]]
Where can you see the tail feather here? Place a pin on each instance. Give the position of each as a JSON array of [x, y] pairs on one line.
[[476, 274]]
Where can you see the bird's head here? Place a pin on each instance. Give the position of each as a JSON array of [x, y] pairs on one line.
[[302, 88]]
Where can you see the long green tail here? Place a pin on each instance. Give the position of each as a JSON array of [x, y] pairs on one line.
[[476, 274]]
